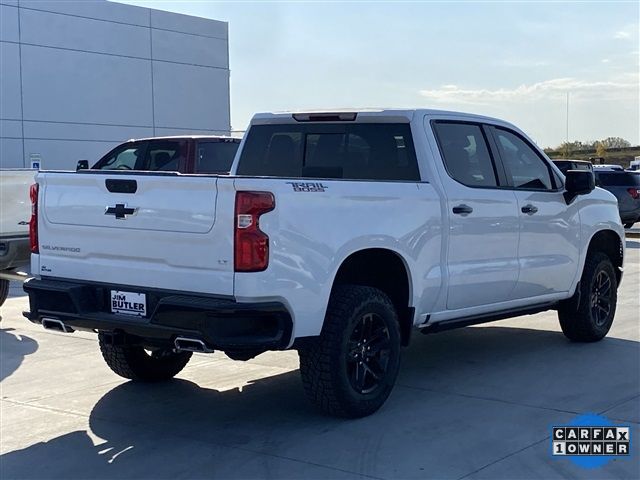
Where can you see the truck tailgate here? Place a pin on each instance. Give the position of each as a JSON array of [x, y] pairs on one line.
[[141, 230]]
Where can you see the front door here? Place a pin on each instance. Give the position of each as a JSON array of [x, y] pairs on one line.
[[549, 228]]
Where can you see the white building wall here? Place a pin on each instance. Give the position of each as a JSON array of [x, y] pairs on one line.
[[79, 77]]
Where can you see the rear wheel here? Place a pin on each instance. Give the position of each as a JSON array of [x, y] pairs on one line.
[[4, 291], [350, 369], [136, 363], [588, 315]]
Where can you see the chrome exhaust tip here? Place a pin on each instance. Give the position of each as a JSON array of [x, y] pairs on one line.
[[183, 344], [57, 325]]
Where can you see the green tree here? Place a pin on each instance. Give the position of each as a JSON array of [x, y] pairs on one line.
[[565, 149], [615, 142]]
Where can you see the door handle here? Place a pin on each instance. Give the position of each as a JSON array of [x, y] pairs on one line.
[[463, 210], [529, 209]]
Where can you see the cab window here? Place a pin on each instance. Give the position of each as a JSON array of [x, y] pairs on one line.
[[465, 154], [125, 157], [215, 157], [524, 167], [164, 156]]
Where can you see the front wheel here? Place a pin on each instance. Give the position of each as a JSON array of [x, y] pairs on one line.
[[350, 370], [136, 363], [588, 315]]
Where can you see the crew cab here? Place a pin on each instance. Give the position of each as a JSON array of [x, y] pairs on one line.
[[338, 234], [15, 213], [211, 154]]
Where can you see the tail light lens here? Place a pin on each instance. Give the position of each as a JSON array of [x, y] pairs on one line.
[[33, 222], [634, 192], [251, 244]]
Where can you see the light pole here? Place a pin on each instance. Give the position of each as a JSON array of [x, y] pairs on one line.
[[567, 117]]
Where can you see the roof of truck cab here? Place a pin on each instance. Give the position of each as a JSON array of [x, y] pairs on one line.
[[406, 113], [187, 137]]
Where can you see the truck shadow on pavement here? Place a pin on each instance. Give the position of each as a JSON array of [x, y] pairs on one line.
[[13, 349], [456, 384]]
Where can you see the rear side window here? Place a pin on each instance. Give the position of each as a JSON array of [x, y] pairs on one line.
[[164, 156], [465, 153], [376, 151], [621, 179], [215, 157]]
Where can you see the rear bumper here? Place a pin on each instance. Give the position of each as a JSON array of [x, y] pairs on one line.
[[14, 252], [221, 323]]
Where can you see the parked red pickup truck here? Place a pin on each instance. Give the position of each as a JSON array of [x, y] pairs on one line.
[[184, 154]]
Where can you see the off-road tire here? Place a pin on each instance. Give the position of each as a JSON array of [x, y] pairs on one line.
[[133, 361], [4, 291], [576, 315], [327, 364]]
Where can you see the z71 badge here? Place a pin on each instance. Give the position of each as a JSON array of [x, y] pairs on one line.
[[307, 186]]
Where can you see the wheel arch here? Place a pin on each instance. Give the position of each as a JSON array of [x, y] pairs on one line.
[[608, 242], [386, 270]]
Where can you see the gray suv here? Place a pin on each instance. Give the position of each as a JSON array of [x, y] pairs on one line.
[[626, 187]]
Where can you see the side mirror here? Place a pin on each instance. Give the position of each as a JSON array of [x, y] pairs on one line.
[[82, 165], [578, 182]]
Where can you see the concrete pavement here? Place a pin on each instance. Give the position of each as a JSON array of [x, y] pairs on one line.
[[472, 403]]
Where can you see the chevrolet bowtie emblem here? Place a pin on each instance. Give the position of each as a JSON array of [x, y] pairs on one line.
[[120, 211]]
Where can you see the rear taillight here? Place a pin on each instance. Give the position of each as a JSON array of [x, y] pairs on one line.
[[33, 223], [251, 244], [634, 192]]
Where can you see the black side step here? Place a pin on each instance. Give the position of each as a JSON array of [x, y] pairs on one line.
[[485, 318]]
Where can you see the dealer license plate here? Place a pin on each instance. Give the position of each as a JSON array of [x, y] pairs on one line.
[[129, 303]]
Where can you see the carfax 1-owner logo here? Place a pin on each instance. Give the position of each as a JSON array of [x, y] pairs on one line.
[[591, 441]]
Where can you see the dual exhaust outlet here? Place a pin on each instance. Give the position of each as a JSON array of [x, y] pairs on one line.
[[57, 325], [181, 344], [184, 344]]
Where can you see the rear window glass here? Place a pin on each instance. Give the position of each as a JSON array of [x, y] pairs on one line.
[[215, 157], [621, 179], [351, 151]]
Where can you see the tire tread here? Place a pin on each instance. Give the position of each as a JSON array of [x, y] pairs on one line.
[[575, 313], [318, 358], [132, 362]]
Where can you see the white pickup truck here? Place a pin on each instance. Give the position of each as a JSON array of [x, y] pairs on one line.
[[336, 234], [15, 213]]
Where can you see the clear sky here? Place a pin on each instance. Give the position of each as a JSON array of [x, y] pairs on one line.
[[512, 60]]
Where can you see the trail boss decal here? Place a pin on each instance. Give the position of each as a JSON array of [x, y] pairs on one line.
[[307, 186]]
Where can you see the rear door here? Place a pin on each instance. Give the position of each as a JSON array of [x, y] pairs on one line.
[[482, 255], [145, 230], [549, 245]]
